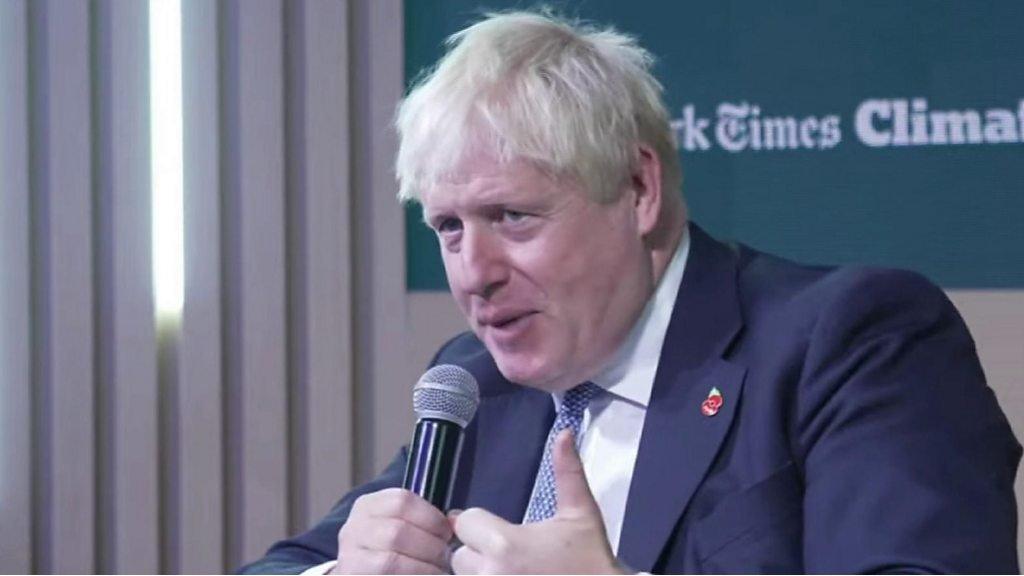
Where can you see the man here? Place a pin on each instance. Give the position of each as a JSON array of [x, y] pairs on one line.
[[733, 412]]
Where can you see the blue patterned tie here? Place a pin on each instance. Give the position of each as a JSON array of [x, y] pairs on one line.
[[543, 504]]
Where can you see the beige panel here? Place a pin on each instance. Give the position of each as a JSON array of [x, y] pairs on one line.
[[65, 376], [15, 355], [128, 339], [194, 499], [996, 320], [384, 400], [434, 318], [321, 334], [260, 517]]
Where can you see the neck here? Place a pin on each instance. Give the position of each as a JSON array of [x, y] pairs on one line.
[[663, 241]]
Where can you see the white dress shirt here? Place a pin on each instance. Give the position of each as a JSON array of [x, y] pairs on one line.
[[614, 420]]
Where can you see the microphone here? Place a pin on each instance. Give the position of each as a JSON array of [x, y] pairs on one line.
[[445, 400]]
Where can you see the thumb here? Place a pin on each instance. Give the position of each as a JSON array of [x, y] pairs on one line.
[[573, 493]]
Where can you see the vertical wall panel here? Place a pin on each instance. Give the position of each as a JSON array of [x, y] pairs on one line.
[[194, 540], [63, 341], [127, 348], [257, 413], [383, 396], [15, 359], [320, 265]]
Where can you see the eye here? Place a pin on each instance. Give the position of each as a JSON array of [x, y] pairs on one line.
[[514, 216], [448, 225]]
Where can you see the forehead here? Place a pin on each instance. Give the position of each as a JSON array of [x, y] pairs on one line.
[[482, 179]]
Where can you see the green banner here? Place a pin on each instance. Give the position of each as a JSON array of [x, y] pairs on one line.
[[882, 133]]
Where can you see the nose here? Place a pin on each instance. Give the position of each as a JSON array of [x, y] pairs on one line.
[[483, 261]]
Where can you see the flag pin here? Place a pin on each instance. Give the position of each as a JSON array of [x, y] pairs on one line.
[[712, 404]]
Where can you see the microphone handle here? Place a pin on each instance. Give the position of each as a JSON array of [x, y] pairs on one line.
[[433, 459]]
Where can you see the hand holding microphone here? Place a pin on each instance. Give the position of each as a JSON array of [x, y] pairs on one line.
[[404, 530]]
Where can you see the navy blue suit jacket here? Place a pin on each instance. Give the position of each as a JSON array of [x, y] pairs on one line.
[[857, 433]]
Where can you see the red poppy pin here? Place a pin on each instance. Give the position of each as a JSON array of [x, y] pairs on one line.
[[712, 404]]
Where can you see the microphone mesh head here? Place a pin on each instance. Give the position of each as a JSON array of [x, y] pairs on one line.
[[447, 392]]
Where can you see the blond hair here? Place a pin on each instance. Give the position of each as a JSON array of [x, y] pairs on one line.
[[572, 98]]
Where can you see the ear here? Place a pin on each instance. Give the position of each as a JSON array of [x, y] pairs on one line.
[[646, 180]]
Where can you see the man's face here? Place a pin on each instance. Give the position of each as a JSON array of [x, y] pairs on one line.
[[550, 280]]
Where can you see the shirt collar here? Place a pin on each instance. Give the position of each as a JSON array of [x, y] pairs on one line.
[[630, 373]]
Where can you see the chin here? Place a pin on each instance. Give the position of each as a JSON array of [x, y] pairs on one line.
[[532, 373], [523, 371]]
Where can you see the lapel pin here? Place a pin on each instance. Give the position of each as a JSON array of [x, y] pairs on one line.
[[712, 404]]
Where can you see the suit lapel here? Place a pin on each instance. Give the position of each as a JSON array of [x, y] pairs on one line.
[[677, 448], [679, 443]]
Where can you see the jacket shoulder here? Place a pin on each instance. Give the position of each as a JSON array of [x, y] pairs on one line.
[[817, 296]]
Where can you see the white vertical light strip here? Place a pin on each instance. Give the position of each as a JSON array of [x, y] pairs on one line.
[[166, 149]]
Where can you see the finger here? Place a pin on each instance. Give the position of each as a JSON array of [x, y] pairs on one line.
[[404, 505], [571, 488], [377, 562], [465, 560], [392, 535], [481, 530], [453, 516]]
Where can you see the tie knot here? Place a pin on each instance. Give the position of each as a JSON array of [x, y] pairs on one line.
[[577, 398], [544, 501]]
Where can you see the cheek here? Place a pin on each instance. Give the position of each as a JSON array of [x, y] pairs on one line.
[[568, 289], [452, 273], [583, 279], [590, 288]]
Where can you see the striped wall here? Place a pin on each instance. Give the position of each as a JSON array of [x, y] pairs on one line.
[[190, 445]]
